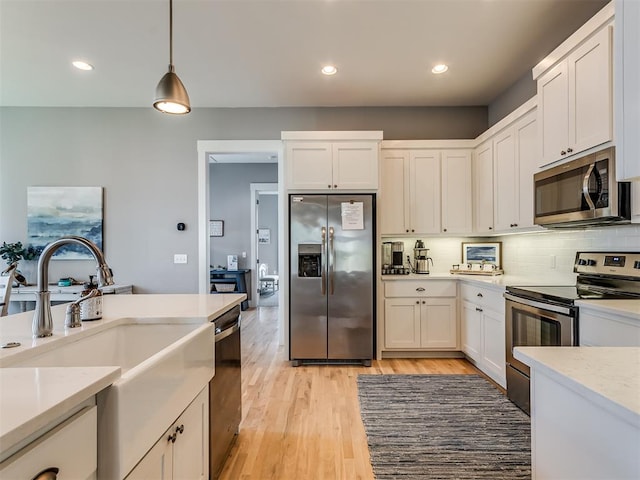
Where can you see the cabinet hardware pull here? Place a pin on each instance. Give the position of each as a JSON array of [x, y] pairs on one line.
[[569, 150], [479, 295], [328, 186], [563, 152], [180, 429], [490, 228], [50, 473], [478, 309], [417, 302], [335, 186], [407, 230], [412, 230], [420, 289], [172, 438], [444, 229], [423, 302]]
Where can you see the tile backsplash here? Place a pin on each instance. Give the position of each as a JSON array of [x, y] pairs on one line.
[[548, 253]]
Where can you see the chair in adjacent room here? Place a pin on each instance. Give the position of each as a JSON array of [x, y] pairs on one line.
[[6, 283], [268, 283]]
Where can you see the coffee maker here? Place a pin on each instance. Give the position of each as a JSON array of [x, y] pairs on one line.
[[397, 255], [421, 258]]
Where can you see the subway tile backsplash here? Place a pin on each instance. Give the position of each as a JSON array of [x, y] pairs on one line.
[[548, 253]]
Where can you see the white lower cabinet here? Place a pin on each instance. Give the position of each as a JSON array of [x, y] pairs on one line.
[[69, 451], [420, 315], [182, 451], [600, 329], [483, 330]]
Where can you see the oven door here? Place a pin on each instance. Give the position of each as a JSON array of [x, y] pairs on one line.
[[533, 324]]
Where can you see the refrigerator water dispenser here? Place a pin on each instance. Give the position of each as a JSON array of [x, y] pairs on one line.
[[309, 260]]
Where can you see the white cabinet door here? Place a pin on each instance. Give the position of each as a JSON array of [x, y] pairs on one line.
[[526, 135], [71, 448], [506, 176], [494, 345], [591, 92], [190, 454], [553, 113], [394, 196], [310, 165], [402, 323], [424, 181], [438, 323], [456, 192], [471, 325], [603, 330], [576, 100], [157, 463], [483, 188], [355, 165]]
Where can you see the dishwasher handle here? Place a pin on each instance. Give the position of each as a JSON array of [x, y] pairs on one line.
[[222, 334], [227, 323]]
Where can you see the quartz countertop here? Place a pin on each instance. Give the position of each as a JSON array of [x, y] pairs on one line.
[[31, 398], [607, 376], [627, 308], [497, 280]]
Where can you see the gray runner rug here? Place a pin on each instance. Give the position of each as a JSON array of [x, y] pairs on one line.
[[443, 427]]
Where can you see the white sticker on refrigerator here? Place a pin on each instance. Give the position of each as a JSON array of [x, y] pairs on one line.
[[352, 215]]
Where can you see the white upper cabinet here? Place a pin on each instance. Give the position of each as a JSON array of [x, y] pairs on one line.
[[332, 160], [456, 192], [483, 188], [627, 80], [410, 191], [575, 109]]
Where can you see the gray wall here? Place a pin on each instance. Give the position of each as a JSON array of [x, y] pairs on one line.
[[230, 201], [147, 164], [518, 93]]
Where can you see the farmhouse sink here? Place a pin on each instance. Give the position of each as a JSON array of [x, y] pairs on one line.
[[164, 366]]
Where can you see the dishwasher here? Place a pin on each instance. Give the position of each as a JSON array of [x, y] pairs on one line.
[[225, 395]]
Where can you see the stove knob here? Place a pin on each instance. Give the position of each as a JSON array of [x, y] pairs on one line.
[[582, 261], [591, 263], [636, 264]]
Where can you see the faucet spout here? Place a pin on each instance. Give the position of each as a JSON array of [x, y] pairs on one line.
[[42, 320]]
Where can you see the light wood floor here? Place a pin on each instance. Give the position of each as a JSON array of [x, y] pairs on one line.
[[304, 423]]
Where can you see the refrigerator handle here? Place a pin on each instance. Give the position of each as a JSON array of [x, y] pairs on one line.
[[323, 263], [332, 260]]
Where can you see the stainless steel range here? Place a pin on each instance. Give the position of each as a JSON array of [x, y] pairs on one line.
[[548, 316]]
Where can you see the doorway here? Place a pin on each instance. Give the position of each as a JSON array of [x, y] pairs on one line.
[[270, 150], [264, 252]]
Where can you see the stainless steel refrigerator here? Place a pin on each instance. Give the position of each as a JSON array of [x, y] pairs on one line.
[[332, 313]]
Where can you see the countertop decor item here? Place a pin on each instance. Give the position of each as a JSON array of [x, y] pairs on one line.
[[482, 253], [171, 96], [443, 426]]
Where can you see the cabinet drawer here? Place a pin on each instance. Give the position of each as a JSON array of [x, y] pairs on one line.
[[71, 447], [420, 288], [486, 297]]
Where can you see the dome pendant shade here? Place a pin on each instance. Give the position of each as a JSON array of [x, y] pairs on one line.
[[171, 96]]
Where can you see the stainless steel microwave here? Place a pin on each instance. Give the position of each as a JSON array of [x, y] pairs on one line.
[[582, 192]]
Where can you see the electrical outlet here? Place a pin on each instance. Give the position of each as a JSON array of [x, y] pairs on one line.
[[180, 258], [244, 254]]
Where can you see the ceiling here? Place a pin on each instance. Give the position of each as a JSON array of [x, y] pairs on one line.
[[268, 53]]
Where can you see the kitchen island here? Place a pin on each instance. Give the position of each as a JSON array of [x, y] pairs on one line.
[[585, 411], [176, 356]]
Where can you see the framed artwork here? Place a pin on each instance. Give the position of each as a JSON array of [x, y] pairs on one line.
[[264, 235], [54, 212], [216, 228], [482, 252]]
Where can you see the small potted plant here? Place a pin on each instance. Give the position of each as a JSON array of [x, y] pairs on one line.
[[14, 252]]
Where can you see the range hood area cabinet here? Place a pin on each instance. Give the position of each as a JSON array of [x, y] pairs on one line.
[[425, 188], [575, 91], [327, 161]]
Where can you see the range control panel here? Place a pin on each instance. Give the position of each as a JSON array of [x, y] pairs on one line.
[[626, 264]]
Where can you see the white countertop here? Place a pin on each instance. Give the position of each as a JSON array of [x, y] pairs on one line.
[[497, 280], [188, 308], [607, 376], [32, 398], [627, 308]]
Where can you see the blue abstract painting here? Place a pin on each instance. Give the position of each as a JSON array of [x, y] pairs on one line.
[[54, 212]]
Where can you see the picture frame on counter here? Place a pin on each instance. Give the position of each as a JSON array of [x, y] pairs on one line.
[[482, 253]]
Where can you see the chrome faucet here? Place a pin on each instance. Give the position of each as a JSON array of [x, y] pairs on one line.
[[42, 321]]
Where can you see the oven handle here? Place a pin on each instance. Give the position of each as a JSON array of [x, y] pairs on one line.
[[542, 306]]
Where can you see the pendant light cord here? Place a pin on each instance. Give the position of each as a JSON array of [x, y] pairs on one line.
[[171, 33]]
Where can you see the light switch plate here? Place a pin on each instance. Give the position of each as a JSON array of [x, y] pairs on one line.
[[180, 258]]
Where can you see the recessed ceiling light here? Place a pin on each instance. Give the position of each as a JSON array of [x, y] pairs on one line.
[[329, 70], [80, 65], [440, 68]]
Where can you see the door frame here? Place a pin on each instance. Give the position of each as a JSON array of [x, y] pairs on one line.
[[207, 147], [258, 189]]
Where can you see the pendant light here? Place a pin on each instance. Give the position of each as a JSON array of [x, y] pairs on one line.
[[171, 96]]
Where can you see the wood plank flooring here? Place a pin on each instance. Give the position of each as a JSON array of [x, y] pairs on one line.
[[304, 422]]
